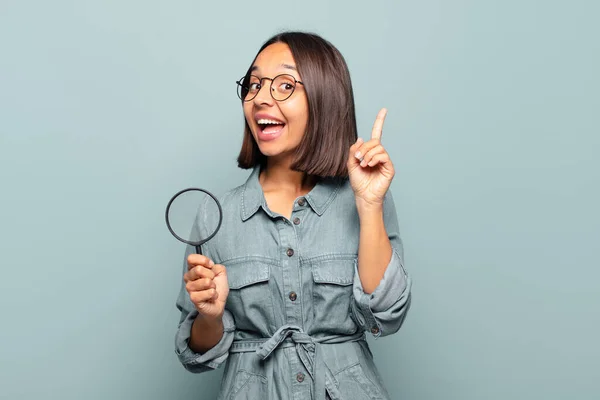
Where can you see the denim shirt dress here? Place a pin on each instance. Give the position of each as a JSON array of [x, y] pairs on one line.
[[296, 317]]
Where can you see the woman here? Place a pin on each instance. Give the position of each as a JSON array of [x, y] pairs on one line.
[[308, 257]]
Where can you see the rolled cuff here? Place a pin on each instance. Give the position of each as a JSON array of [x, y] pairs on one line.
[[213, 358], [383, 311]]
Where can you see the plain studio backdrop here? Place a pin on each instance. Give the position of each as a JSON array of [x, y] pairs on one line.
[[107, 108]]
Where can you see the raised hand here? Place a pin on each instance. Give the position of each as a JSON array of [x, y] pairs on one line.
[[369, 166], [206, 283]]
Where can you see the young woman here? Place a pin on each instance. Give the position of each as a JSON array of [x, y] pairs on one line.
[[308, 257]]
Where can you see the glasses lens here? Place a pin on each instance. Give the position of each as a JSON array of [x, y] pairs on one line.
[[242, 88], [253, 87], [250, 86], [283, 87]]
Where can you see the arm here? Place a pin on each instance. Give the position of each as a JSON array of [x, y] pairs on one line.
[[201, 344], [205, 334], [375, 249], [202, 341], [190, 351], [381, 285], [382, 288]]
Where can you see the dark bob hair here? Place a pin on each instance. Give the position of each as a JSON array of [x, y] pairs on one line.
[[331, 128]]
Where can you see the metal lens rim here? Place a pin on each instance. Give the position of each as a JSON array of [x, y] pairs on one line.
[[241, 88]]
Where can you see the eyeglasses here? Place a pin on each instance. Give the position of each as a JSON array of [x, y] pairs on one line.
[[282, 87]]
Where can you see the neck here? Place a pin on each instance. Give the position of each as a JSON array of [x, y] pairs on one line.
[[279, 176]]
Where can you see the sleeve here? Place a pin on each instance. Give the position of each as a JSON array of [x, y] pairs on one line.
[[213, 358], [383, 311]]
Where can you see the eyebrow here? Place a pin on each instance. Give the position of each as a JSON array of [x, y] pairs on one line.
[[287, 66]]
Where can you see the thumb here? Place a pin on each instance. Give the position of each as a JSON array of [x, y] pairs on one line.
[[352, 160], [219, 269]]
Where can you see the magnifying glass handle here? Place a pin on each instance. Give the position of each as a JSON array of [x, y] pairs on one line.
[[198, 249]]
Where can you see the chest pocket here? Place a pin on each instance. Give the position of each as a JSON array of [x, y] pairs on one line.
[[332, 295], [250, 295]]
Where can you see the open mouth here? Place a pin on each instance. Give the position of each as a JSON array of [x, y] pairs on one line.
[[270, 126]]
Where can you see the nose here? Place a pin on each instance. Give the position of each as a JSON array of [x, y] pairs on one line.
[[264, 96]]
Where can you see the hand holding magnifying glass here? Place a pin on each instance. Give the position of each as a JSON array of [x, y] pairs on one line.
[[205, 281]]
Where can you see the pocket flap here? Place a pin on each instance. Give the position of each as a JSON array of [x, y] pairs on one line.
[[337, 272], [244, 274]]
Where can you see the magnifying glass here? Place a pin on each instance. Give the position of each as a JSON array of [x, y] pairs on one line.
[[183, 208]]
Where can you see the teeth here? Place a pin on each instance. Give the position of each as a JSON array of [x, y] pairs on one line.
[[268, 121]]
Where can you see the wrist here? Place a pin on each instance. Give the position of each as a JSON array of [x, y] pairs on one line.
[[211, 321], [368, 208]]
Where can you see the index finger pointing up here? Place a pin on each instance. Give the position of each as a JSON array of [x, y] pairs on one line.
[[378, 125]]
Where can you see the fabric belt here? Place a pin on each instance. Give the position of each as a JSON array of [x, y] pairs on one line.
[[308, 349]]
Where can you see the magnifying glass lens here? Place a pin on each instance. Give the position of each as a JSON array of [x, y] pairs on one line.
[[189, 206]]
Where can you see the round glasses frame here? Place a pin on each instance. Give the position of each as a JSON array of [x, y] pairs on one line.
[[241, 88]]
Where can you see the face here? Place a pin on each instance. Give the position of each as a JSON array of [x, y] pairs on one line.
[[277, 126]]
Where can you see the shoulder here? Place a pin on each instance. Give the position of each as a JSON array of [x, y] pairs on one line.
[[230, 198], [344, 192], [231, 195]]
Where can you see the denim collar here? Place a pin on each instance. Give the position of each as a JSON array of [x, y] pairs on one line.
[[319, 198]]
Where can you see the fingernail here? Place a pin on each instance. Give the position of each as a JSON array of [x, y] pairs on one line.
[[359, 140], [211, 263], [358, 155]]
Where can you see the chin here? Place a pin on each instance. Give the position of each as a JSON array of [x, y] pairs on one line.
[[273, 151], [268, 151]]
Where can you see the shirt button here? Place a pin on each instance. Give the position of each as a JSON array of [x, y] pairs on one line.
[[293, 296], [296, 221], [300, 377], [289, 252], [301, 201], [374, 330]]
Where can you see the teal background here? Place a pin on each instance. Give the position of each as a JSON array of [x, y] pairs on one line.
[[107, 108]]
